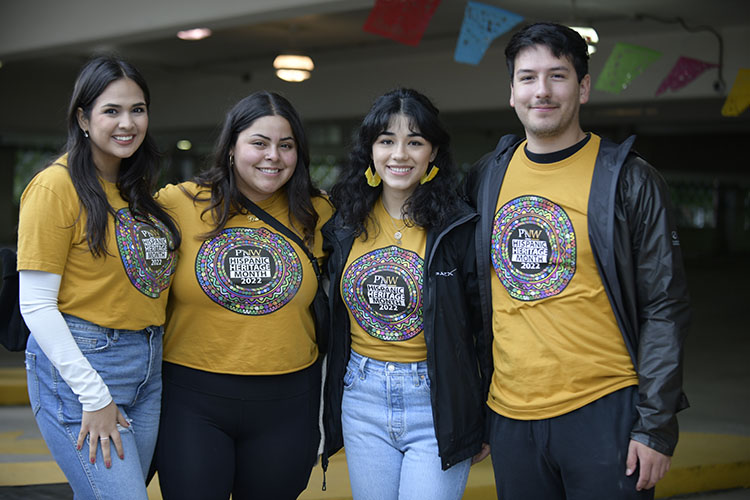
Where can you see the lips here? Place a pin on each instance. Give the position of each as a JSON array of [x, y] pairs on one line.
[[400, 170], [124, 139], [269, 171]]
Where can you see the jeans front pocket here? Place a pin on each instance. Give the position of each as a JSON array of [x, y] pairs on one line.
[[349, 377], [32, 382]]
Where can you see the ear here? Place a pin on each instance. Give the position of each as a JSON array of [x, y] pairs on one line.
[[512, 104], [83, 122], [434, 154], [584, 89]]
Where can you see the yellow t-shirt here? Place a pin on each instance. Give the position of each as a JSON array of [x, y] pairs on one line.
[[382, 289], [126, 289], [557, 346], [240, 302]]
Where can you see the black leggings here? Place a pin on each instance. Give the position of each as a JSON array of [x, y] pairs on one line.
[[255, 437]]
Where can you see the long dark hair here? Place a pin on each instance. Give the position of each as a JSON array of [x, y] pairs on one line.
[[431, 203], [219, 178], [137, 176]]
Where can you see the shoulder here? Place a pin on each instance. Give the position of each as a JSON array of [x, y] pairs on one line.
[[54, 180], [176, 194]]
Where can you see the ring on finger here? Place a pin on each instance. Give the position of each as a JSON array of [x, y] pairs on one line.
[[104, 438]]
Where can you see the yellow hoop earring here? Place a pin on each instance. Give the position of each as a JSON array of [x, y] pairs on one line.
[[429, 175], [373, 179]]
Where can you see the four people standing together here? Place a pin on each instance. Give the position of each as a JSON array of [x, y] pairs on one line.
[[535, 316]]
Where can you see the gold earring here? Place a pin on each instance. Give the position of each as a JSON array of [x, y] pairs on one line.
[[429, 175], [373, 179]]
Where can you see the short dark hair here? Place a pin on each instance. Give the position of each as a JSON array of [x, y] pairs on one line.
[[430, 204], [559, 39], [219, 178]]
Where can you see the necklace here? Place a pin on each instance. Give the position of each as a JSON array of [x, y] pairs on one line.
[[396, 230]]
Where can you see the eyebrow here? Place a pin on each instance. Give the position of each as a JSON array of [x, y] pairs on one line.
[[290, 138], [554, 68], [412, 134], [113, 105]]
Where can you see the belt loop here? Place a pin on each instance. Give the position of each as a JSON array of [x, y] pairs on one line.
[[115, 334], [415, 373], [362, 364]]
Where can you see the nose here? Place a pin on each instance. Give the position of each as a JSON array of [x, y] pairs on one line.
[[542, 87], [126, 121], [272, 153], [399, 152]]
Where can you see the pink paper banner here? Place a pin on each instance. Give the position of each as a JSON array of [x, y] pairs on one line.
[[685, 70], [401, 20]]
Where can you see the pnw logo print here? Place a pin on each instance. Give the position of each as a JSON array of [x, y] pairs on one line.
[[144, 250], [533, 248], [383, 290], [249, 271]]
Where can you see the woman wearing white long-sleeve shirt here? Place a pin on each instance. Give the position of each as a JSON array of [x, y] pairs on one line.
[[96, 255]]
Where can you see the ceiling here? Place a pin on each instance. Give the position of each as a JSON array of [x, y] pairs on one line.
[[197, 80]]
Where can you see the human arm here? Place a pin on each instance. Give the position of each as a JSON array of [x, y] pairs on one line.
[[38, 293], [659, 301]]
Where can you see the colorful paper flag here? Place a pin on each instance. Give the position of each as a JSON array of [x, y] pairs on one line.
[[404, 21], [482, 24], [625, 63], [685, 70], [738, 99]]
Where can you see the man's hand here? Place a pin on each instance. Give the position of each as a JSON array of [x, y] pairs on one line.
[[653, 465]]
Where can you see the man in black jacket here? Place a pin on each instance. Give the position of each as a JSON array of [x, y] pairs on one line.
[[583, 289]]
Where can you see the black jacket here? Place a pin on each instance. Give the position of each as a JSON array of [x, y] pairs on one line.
[[637, 252], [458, 359]]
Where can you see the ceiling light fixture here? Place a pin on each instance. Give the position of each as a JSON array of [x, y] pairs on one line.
[[589, 34], [184, 145], [194, 34], [293, 67]]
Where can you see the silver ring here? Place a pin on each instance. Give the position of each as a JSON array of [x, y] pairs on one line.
[[103, 438]]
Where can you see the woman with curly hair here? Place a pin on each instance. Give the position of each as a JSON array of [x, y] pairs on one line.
[[242, 380], [407, 370]]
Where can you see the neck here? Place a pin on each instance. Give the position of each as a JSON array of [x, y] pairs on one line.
[[108, 170], [394, 201], [544, 145]]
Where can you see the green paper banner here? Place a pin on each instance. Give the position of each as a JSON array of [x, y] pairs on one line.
[[624, 64]]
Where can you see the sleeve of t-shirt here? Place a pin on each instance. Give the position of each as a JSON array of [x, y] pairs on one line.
[[46, 226]]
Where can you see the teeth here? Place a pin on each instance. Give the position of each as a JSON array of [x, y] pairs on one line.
[[123, 137], [400, 170], [269, 170]]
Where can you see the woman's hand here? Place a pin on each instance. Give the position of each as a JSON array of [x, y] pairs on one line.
[[101, 426]]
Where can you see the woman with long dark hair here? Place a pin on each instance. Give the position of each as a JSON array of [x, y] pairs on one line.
[[96, 255], [407, 369], [241, 373]]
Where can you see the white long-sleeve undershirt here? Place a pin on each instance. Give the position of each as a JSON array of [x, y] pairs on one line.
[[38, 292]]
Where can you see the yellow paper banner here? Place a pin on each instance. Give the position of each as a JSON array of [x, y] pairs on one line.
[[739, 97]]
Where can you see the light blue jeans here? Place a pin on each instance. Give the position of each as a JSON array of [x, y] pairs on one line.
[[389, 435], [129, 362]]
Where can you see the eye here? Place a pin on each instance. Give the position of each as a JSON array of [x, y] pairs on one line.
[[287, 145], [139, 109], [258, 143], [416, 142], [110, 111], [385, 141]]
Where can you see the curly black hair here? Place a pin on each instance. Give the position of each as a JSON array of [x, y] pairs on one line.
[[431, 204]]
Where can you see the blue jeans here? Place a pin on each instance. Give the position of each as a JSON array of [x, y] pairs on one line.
[[389, 434], [129, 362]]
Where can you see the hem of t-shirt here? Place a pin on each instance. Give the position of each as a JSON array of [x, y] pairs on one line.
[[198, 366], [36, 265], [558, 410], [394, 359]]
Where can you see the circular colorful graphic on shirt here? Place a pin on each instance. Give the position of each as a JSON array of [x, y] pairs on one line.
[[249, 271], [383, 290], [144, 250], [533, 248]]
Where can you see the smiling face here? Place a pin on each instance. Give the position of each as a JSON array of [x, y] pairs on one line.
[[116, 124], [265, 157], [547, 96], [401, 156]]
